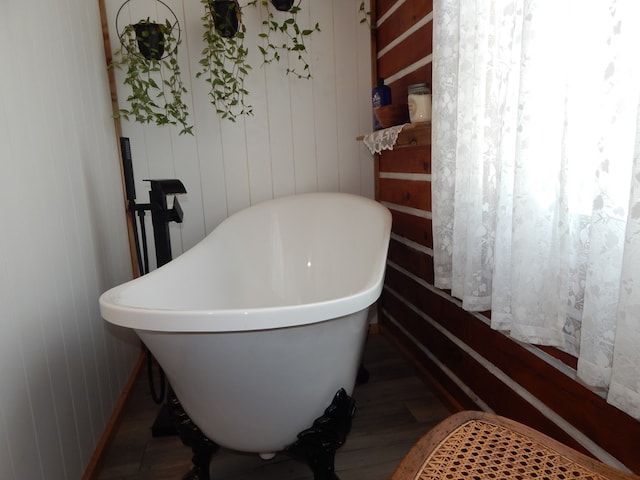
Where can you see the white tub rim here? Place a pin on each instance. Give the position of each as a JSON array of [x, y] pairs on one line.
[[233, 320], [122, 313]]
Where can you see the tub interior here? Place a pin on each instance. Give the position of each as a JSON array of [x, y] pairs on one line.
[[286, 252]]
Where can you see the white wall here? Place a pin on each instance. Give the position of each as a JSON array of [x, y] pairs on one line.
[[301, 137], [63, 236], [62, 240]]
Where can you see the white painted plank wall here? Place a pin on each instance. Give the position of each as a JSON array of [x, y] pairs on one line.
[[62, 241], [301, 137], [63, 238]]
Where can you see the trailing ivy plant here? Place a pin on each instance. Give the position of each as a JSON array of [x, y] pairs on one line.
[[224, 63], [149, 55], [282, 35]]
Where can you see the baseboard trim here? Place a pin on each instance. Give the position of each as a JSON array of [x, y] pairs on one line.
[[92, 469]]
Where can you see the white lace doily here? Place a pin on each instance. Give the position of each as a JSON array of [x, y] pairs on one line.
[[382, 139]]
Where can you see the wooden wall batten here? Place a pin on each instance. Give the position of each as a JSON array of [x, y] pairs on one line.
[[471, 365]]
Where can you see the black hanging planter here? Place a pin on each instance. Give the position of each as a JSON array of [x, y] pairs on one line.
[[282, 5], [225, 16], [150, 40]]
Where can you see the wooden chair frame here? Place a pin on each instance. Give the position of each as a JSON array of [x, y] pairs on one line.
[[484, 446]]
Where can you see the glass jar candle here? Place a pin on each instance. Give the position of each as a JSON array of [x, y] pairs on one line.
[[419, 100]]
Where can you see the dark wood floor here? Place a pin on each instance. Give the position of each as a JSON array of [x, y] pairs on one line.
[[393, 410]]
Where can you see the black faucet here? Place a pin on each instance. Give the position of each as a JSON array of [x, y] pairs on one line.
[[162, 215]]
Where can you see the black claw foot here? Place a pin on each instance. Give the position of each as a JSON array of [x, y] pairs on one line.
[[202, 448], [317, 445]]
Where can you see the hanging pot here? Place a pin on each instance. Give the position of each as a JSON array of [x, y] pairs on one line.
[[225, 16], [282, 5], [150, 40]]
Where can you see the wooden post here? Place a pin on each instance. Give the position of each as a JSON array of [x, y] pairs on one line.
[[118, 129]]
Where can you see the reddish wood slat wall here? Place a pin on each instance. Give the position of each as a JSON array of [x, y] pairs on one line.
[[471, 364], [408, 51]]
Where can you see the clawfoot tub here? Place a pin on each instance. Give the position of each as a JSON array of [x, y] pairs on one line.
[[260, 326]]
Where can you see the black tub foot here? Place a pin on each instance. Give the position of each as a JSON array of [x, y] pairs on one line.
[[317, 445], [202, 448]]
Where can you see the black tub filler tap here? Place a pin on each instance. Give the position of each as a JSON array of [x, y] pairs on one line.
[[162, 215]]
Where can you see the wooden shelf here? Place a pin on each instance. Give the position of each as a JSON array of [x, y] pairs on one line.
[[412, 135]]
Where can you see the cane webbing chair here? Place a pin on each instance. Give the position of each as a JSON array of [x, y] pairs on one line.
[[482, 446]]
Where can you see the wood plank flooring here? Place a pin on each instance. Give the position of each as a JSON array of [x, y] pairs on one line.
[[393, 410]]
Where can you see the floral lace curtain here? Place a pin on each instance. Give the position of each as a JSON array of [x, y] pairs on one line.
[[536, 175]]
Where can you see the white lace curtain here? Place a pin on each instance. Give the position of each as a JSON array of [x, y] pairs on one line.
[[536, 175]]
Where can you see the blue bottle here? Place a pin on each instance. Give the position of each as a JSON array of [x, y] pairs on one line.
[[380, 96]]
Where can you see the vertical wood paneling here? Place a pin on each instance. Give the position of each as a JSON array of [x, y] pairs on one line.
[[364, 44], [235, 167], [62, 245], [257, 133], [347, 91], [302, 120], [300, 138], [324, 95], [280, 130]]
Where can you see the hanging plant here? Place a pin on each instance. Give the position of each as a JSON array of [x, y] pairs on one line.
[[150, 39], [149, 56], [282, 5], [282, 35], [226, 16], [224, 58]]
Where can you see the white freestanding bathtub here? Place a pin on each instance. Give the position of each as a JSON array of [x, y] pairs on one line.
[[261, 323]]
